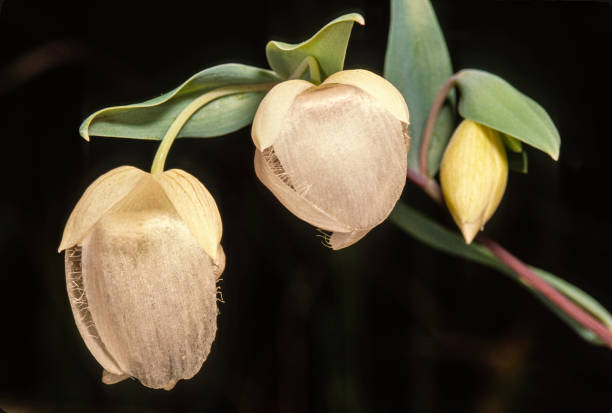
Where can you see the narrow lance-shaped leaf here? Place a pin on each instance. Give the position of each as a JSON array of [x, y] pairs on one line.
[[417, 63], [490, 100], [327, 46], [438, 237], [151, 119]]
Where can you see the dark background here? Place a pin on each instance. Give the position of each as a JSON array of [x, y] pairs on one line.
[[385, 325]]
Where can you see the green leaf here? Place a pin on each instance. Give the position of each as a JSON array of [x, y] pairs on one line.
[[512, 144], [440, 238], [417, 63], [327, 46], [151, 119], [517, 162], [490, 100]]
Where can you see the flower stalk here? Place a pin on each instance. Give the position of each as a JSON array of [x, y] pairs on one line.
[[311, 64], [176, 126]]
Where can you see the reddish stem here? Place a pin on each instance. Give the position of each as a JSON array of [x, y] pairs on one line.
[[430, 123], [531, 278], [428, 185]]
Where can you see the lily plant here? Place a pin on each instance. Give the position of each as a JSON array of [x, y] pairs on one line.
[[336, 147]]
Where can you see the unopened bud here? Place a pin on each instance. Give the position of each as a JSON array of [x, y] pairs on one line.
[[335, 154], [473, 175]]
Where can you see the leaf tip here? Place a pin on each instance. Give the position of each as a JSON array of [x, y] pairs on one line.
[[84, 129], [358, 18], [555, 155]]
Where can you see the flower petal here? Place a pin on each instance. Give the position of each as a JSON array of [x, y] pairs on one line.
[[110, 378], [99, 197], [219, 263], [300, 207], [501, 162], [152, 294], [82, 316], [196, 206], [339, 240], [345, 153], [376, 86], [272, 111]]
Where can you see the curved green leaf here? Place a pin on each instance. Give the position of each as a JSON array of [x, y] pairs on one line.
[[440, 238], [328, 46], [417, 63], [490, 100], [151, 119]]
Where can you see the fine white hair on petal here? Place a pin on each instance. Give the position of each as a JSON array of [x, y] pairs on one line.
[[81, 311]]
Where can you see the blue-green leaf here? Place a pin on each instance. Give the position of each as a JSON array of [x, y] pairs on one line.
[[151, 119], [438, 237], [490, 100], [417, 63], [327, 46]]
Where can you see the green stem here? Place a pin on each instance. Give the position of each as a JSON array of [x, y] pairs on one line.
[[311, 64], [193, 107]]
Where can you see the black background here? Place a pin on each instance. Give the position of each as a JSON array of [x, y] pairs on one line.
[[386, 325]]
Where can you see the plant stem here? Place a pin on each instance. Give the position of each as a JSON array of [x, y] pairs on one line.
[[430, 123], [427, 184], [537, 283], [193, 107], [311, 64], [432, 188]]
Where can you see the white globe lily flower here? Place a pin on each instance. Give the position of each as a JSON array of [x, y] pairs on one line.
[[143, 256], [335, 155]]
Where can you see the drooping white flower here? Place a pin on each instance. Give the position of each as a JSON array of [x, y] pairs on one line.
[[335, 155], [142, 258]]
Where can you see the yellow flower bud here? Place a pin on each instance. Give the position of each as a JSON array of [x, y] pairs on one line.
[[142, 258], [473, 175], [334, 154]]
